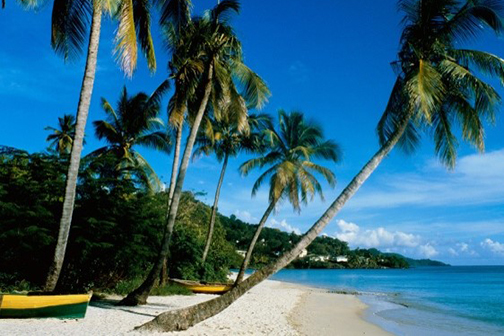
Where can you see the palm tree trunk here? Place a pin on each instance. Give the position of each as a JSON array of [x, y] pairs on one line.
[[175, 167], [178, 140], [250, 249], [185, 318], [140, 295], [214, 211], [75, 156]]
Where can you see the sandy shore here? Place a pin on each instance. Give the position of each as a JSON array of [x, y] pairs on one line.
[[271, 308]]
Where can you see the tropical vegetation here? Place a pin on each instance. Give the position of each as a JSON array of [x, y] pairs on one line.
[[61, 138], [104, 222], [135, 122]]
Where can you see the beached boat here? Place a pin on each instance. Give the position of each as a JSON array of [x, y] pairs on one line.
[[204, 288], [42, 305]]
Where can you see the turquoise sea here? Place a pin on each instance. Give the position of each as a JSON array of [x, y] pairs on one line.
[[455, 300]]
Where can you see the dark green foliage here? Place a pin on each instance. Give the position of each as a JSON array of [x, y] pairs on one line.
[[124, 287], [29, 189], [188, 242], [328, 246], [116, 231]]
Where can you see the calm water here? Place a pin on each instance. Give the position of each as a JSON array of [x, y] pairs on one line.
[[457, 300]]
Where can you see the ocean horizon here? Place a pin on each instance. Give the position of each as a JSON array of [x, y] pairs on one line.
[[445, 300]]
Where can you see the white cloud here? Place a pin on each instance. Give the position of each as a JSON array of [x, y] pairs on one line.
[[453, 252], [427, 250], [477, 179], [380, 237], [245, 216], [494, 246], [284, 225]]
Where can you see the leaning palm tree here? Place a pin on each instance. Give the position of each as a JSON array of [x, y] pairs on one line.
[[134, 123], [225, 140], [211, 42], [68, 38], [62, 137], [437, 86], [290, 168]]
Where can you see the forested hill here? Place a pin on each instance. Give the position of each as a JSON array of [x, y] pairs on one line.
[[324, 252]]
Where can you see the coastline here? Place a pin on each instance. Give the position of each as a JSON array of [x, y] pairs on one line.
[[271, 308]]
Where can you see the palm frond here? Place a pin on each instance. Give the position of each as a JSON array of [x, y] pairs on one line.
[[223, 10], [159, 141], [126, 43], [69, 22], [325, 172], [426, 89], [255, 91], [261, 178], [248, 165], [174, 12], [154, 183], [327, 150], [104, 130], [472, 17], [445, 142], [487, 63], [141, 13], [486, 97]]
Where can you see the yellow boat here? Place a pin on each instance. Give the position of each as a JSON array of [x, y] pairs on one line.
[[42, 305], [204, 288]]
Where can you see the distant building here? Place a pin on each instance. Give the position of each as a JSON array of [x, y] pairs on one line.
[[241, 252], [320, 258], [342, 259], [303, 253]]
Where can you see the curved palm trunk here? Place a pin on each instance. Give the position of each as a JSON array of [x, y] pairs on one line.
[[250, 249], [163, 278], [175, 167], [214, 211], [140, 295], [184, 318], [75, 156]]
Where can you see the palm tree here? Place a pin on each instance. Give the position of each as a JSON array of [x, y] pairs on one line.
[[69, 26], [62, 137], [210, 41], [225, 140], [133, 123], [290, 167], [436, 87]]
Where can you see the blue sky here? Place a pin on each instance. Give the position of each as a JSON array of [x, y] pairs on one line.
[[330, 60]]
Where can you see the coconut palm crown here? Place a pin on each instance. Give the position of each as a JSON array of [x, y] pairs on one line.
[[62, 137], [70, 19], [223, 138], [437, 83], [133, 123], [291, 169], [293, 147]]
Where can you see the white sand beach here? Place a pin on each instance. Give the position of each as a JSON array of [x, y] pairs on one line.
[[271, 308]]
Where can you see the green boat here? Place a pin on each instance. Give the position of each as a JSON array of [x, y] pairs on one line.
[[43, 306]]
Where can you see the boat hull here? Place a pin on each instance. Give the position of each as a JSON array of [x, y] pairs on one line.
[[43, 306], [197, 287]]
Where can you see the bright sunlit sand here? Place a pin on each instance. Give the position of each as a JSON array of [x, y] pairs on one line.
[[271, 308]]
